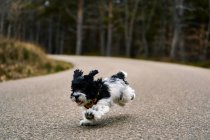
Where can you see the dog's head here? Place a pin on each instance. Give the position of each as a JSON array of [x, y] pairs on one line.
[[84, 88]]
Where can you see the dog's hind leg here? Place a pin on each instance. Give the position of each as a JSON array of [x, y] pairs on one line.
[[126, 95]]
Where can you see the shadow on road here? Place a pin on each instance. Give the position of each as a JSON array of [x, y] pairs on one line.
[[110, 121]]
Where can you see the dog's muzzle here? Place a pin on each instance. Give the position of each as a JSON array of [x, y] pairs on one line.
[[79, 98]]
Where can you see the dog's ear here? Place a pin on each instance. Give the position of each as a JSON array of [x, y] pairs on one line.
[[91, 74], [77, 73]]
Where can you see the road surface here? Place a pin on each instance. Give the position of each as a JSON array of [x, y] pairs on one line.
[[172, 102]]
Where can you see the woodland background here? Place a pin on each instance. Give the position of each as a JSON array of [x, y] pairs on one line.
[[177, 30]]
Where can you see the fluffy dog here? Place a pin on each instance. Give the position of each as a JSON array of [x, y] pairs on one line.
[[97, 96]]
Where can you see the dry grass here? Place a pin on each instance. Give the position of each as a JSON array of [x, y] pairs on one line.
[[20, 60]]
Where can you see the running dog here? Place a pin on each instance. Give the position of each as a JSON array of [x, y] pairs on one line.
[[97, 96]]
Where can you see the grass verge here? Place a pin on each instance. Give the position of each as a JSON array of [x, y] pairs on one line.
[[20, 60]]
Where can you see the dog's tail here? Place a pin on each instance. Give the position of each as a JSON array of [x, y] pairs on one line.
[[121, 75]]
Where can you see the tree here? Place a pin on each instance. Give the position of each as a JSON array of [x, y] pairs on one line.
[[50, 34], [101, 26], [130, 16], [79, 27], [134, 28], [146, 22], [4, 6], [206, 45], [109, 29], [177, 40]]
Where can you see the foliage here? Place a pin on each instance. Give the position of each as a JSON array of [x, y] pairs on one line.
[[54, 26], [19, 60]]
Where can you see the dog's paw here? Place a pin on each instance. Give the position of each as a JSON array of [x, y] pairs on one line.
[[89, 115], [133, 97], [86, 123]]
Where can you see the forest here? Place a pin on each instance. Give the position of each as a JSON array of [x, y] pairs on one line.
[[176, 30]]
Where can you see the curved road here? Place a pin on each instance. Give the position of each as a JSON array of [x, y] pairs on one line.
[[173, 102]]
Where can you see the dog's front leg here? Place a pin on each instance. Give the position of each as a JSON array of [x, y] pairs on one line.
[[90, 115], [88, 119], [98, 110]]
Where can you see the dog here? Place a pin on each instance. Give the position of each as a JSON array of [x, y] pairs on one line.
[[97, 96]]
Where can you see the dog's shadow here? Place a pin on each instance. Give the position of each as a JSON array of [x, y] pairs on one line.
[[109, 121]]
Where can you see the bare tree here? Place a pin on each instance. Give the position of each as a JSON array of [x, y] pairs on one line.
[[177, 40], [79, 27], [146, 23], [101, 27], [9, 30], [160, 38], [130, 16], [50, 34], [207, 36], [109, 31], [62, 42], [38, 24], [4, 6], [2, 22], [58, 34]]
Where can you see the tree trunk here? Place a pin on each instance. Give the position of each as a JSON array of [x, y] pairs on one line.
[[102, 40], [50, 32], [146, 22], [177, 41], [14, 35], [145, 43], [62, 41], [79, 27], [58, 36], [207, 38], [109, 32], [144, 35], [2, 23], [19, 30], [31, 35], [162, 39], [37, 31], [101, 28], [127, 42], [162, 35], [9, 30], [129, 25], [24, 32]]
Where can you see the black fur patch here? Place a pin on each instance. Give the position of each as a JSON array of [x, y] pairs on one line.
[[119, 75], [103, 89], [90, 87]]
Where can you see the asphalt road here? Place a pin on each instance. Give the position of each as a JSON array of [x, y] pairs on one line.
[[172, 102]]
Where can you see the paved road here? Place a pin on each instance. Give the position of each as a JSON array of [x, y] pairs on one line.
[[173, 102]]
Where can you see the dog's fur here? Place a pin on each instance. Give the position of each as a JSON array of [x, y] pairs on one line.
[[97, 96]]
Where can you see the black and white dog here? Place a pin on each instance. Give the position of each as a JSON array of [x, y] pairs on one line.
[[97, 96]]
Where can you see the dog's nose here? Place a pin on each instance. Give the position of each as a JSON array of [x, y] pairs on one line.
[[75, 96]]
